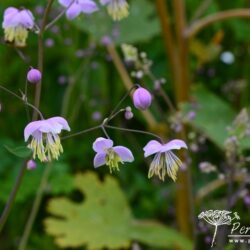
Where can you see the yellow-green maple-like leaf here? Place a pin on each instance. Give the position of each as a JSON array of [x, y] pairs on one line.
[[104, 220]]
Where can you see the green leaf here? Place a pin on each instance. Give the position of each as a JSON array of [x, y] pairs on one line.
[[103, 219], [21, 152], [213, 116], [60, 182], [140, 25], [155, 234]]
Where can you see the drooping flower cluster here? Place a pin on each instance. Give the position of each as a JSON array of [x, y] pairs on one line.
[[45, 143], [165, 162], [16, 25], [109, 155], [117, 9], [76, 7]]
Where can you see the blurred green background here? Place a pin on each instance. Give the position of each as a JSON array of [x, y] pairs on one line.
[[80, 83]]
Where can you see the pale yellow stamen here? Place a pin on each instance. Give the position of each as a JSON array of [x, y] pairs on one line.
[[17, 35], [118, 10], [113, 160], [165, 164], [51, 150]]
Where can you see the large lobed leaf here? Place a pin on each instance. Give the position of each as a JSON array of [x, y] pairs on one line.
[[140, 25], [213, 116], [104, 220]]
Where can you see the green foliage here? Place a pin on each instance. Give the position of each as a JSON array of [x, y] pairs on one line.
[[104, 219], [21, 152], [60, 182], [213, 115], [140, 26]]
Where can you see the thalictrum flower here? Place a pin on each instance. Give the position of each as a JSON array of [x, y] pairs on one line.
[[165, 161], [77, 7], [45, 142], [16, 24], [109, 155], [117, 9]]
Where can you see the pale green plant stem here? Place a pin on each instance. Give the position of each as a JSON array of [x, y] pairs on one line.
[[35, 207]]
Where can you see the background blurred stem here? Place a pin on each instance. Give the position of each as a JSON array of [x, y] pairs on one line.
[[220, 16], [128, 82], [41, 57], [179, 66], [12, 197], [35, 208], [201, 9]]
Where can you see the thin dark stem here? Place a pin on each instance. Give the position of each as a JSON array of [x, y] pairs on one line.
[[81, 132], [114, 115], [104, 131], [162, 92], [23, 100], [134, 131], [58, 17], [12, 197], [41, 57], [122, 100]]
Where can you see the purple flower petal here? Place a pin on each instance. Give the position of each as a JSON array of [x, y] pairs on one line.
[[152, 147], [174, 144], [73, 11], [124, 153], [99, 160], [11, 17], [61, 121], [47, 127], [104, 2], [31, 128], [26, 18], [101, 144], [65, 3], [88, 6], [10, 10]]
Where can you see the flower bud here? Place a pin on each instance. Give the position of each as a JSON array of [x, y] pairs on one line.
[[129, 115], [31, 165], [142, 98], [34, 76]]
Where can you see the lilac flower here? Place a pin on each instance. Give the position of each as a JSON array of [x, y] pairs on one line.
[[117, 9], [16, 24], [142, 98], [45, 142], [34, 76], [109, 155], [165, 161], [76, 7]]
